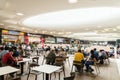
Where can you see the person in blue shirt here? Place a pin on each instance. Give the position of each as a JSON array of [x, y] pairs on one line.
[[96, 54], [16, 53]]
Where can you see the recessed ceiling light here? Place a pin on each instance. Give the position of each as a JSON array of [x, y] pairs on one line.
[[1, 24], [52, 32], [72, 1], [44, 31], [114, 29], [36, 31], [99, 26], [20, 14], [68, 32], [118, 27], [106, 29], [60, 33], [103, 31], [23, 28]]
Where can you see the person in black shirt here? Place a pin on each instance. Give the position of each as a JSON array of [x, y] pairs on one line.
[[90, 61]]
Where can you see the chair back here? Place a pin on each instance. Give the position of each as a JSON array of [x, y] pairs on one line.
[[59, 61], [77, 63], [34, 64], [71, 77], [35, 59]]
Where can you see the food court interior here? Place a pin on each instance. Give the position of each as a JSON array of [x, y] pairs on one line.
[[59, 39]]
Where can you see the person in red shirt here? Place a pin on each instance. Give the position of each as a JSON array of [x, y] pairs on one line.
[[8, 59]]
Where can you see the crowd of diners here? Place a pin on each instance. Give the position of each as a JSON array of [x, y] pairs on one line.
[[10, 54]]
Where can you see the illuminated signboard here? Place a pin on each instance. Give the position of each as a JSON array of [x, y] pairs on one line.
[[4, 31], [21, 34]]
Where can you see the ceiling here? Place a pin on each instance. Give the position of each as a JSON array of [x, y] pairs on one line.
[[97, 20]]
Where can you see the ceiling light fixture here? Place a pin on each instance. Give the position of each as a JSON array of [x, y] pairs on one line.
[[20, 14], [36, 31], [106, 29], [99, 26], [103, 31], [23, 28], [1, 24], [72, 1], [118, 27], [68, 32], [44, 31], [114, 29], [60, 33]]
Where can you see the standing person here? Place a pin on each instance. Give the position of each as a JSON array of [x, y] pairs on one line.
[[78, 59]]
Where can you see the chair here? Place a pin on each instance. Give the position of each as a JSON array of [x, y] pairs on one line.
[[79, 64], [44, 58], [96, 64], [16, 79], [67, 58], [70, 77], [59, 61], [35, 59], [107, 58], [31, 65]]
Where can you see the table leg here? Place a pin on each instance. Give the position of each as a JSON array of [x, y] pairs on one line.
[[59, 75], [2, 77], [22, 68], [47, 76], [43, 76]]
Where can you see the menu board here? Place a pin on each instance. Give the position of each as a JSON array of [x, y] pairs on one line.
[[60, 40], [50, 40], [13, 32]]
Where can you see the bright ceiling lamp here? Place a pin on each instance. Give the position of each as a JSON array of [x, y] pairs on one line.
[[98, 38], [93, 34], [75, 17], [20, 14], [72, 1], [87, 33]]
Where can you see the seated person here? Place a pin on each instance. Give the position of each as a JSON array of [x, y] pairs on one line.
[[50, 59], [78, 60], [62, 53], [96, 54], [102, 56], [84, 53], [90, 61], [3, 51], [8, 59], [16, 53]]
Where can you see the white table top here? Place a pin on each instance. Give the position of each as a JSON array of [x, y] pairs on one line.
[[7, 70], [46, 68], [25, 60]]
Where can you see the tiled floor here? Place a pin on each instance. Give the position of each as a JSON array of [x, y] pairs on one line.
[[107, 72]]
